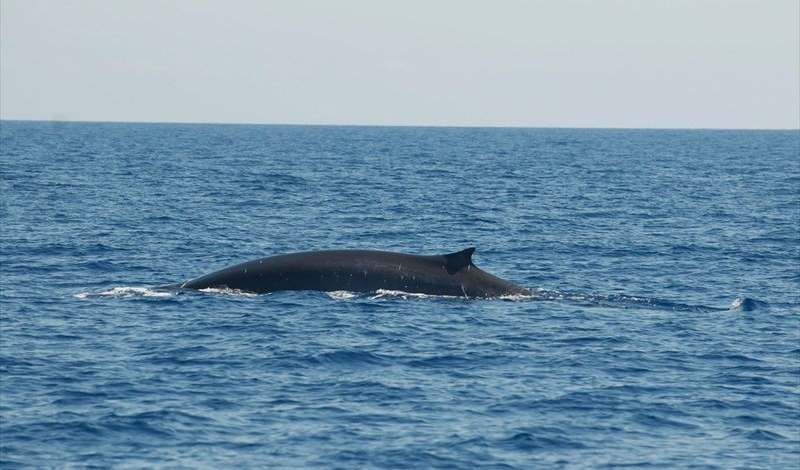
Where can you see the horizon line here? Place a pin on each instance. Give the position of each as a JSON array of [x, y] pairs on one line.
[[442, 126]]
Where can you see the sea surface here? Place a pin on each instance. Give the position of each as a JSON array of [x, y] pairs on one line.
[[664, 331]]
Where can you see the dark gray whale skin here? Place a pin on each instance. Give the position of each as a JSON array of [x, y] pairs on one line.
[[361, 271]]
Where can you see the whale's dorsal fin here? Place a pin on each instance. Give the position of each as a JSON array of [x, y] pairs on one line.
[[456, 261]]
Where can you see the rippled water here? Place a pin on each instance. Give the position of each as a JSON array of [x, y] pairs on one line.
[[666, 330]]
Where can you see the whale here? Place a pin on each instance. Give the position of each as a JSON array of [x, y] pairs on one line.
[[362, 271]]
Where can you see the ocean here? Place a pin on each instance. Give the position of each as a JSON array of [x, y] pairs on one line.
[[664, 333]]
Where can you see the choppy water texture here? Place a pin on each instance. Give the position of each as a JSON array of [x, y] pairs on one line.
[[667, 334]]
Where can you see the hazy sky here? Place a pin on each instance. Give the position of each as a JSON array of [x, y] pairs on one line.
[[602, 63]]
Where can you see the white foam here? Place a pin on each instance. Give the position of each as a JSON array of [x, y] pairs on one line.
[[125, 291], [384, 293], [519, 297], [129, 291], [227, 291], [387, 294], [342, 295]]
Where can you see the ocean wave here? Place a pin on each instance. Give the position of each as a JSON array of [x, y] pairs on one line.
[[747, 304], [350, 358]]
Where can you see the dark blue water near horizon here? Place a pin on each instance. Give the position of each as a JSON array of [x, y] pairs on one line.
[[665, 330]]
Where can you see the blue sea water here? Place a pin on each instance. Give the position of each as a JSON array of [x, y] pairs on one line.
[[665, 330]]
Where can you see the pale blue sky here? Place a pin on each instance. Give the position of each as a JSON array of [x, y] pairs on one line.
[[603, 63]]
